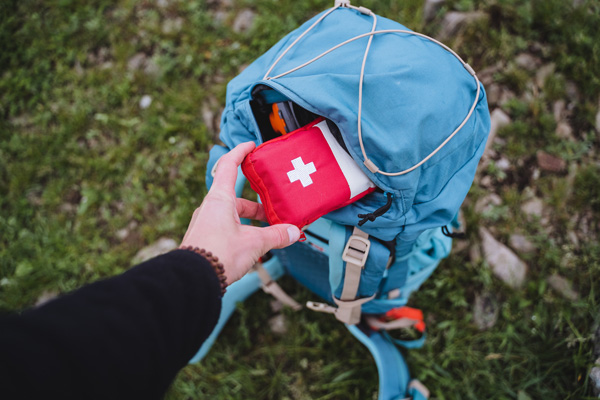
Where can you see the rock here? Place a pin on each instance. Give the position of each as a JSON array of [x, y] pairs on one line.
[[276, 306], [278, 324], [486, 182], [172, 25], [485, 311], [543, 73], [534, 207], [527, 61], [124, 233], [161, 246], [45, 297], [559, 110], [503, 164], [486, 75], [564, 131], [595, 378], [431, 8], [504, 263], [136, 62], [145, 101], [243, 21], [548, 162], [572, 91], [494, 92], [454, 21], [562, 286], [521, 244], [498, 119], [487, 203]]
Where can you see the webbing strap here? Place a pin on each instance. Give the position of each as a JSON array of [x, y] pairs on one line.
[[377, 324], [271, 287], [346, 311], [355, 254]]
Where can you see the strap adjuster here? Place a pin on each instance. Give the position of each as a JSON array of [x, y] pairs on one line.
[[357, 250]]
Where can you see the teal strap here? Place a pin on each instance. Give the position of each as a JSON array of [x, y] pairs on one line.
[[337, 242], [407, 344], [273, 96]]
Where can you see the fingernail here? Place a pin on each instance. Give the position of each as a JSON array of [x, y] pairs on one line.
[[293, 233]]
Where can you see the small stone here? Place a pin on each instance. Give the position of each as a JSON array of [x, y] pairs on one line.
[[161, 246], [45, 297], [278, 324], [543, 73], [431, 8], [487, 203], [494, 91], [527, 61], [498, 119], [276, 306], [136, 62], [486, 182], [172, 25], [454, 21], [564, 131], [562, 286], [572, 91], [559, 110], [145, 101], [504, 263], [503, 164], [535, 175], [533, 207], [122, 234], [572, 236], [485, 311], [151, 68], [243, 21], [595, 378], [548, 162], [520, 243]]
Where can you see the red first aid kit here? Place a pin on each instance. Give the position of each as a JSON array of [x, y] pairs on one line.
[[304, 175]]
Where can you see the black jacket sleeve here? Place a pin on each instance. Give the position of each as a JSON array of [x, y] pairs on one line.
[[122, 338]]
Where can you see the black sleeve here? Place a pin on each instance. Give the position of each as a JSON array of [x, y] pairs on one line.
[[122, 338]]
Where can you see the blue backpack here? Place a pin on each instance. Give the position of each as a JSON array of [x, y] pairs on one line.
[[414, 118]]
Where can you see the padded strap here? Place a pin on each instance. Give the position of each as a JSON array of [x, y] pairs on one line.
[[271, 287]]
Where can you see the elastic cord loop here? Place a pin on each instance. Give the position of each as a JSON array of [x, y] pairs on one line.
[[377, 213], [369, 163]]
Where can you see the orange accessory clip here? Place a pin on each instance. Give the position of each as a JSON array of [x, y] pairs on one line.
[[405, 312], [277, 121]]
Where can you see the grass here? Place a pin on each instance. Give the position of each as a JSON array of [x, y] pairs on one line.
[[80, 161]]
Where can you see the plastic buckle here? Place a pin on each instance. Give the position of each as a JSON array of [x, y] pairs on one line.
[[341, 3], [357, 244]]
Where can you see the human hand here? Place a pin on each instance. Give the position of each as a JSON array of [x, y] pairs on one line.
[[216, 226]]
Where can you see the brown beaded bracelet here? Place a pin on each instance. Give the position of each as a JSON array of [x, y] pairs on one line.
[[214, 263]]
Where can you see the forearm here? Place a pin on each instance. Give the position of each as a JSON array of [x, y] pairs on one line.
[[125, 337]]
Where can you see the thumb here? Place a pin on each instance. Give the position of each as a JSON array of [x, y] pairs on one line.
[[279, 236]]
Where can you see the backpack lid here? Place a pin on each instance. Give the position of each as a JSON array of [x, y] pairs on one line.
[[415, 94]]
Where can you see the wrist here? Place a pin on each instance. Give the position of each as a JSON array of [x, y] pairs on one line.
[[214, 263]]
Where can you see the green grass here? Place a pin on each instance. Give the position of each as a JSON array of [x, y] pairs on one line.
[[80, 160]]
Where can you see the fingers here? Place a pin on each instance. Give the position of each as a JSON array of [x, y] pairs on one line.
[[250, 209], [226, 173], [277, 236]]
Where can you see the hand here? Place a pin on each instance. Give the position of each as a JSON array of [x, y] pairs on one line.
[[216, 226]]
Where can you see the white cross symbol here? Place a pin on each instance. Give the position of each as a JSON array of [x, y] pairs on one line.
[[301, 172]]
